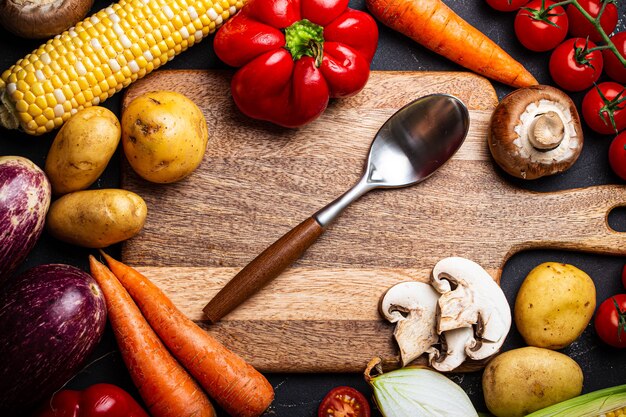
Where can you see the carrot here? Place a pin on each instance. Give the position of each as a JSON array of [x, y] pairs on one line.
[[166, 388], [233, 383], [433, 25]]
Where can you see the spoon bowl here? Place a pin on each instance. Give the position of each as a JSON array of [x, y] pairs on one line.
[[412, 144], [416, 141]]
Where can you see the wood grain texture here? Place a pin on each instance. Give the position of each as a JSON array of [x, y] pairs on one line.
[[258, 181], [265, 267]]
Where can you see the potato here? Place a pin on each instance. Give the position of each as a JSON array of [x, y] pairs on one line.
[[96, 218], [524, 380], [164, 135], [82, 149], [554, 305]]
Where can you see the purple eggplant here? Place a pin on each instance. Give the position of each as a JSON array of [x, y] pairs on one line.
[[24, 202], [51, 318]]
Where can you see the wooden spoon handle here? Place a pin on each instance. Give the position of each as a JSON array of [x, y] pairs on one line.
[[264, 268]]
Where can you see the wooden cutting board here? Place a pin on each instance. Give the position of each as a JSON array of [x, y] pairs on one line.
[[257, 181]]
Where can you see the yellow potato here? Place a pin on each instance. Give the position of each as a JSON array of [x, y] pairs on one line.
[[554, 305], [524, 380], [164, 135], [96, 218], [82, 149]]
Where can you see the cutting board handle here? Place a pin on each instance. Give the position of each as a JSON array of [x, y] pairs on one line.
[[265, 267], [579, 221]]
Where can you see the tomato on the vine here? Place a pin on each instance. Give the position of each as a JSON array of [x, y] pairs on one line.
[[613, 68], [617, 160], [540, 29], [507, 5], [604, 108], [573, 67], [344, 402], [610, 321], [580, 27]]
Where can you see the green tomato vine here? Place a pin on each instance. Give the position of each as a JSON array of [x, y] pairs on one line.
[[595, 22]]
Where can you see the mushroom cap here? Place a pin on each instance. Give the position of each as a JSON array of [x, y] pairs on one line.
[[36, 19], [509, 130]]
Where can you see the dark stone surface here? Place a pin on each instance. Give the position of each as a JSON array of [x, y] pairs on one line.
[[299, 395]]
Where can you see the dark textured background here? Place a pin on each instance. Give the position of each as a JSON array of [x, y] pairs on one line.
[[299, 395]]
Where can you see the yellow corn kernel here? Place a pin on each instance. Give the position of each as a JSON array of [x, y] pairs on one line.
[[104, 53]]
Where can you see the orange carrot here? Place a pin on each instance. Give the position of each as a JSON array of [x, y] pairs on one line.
[[233, 383], [166, 388], [433, 25]]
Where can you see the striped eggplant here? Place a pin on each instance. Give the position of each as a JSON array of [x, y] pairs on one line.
[[24, 202], [51, 318]]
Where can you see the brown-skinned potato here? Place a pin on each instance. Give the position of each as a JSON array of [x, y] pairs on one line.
[[96, 218]]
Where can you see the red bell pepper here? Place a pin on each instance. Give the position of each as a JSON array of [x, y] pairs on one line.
[[99, 400], [295, 55]]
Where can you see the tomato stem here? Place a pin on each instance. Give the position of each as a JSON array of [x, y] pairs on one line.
[[543, 14], [595, 22], [621, 317], [611, 106]]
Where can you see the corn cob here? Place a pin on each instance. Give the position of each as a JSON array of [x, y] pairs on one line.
[[616, 413], [98, 57]]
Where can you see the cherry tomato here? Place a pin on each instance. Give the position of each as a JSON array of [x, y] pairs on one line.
[[572, 67], [610, 321], [507, 5], [539, 29], [344, 402], [615, 69], [602, 101], [617, 160], [580, 27]]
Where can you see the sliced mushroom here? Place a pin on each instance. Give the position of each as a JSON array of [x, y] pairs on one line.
[[454, 344], [413, 306], [535, 131], [36, 19], [471, 299]]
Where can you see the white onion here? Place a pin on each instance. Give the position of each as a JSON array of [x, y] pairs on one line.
[[418, 392]]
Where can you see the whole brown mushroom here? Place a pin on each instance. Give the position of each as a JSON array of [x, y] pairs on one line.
[[37, 19], [535, 132]]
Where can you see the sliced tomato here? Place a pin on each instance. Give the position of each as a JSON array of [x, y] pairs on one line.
[[344, 402]]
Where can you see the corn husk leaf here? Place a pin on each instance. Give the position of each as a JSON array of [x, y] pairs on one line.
[[593, 404]]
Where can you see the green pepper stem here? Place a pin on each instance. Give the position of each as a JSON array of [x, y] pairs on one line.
[[305, 38]]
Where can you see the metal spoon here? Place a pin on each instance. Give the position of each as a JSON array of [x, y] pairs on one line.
[[412, 144]]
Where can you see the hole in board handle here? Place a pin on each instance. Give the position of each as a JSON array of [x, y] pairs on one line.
[[617, 219]]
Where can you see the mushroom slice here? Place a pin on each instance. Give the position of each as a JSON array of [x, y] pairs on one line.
[[470, 298], [535, 132], [454, 344], [413, 306]]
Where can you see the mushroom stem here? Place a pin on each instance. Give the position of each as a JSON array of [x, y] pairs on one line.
[[546, 131]]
